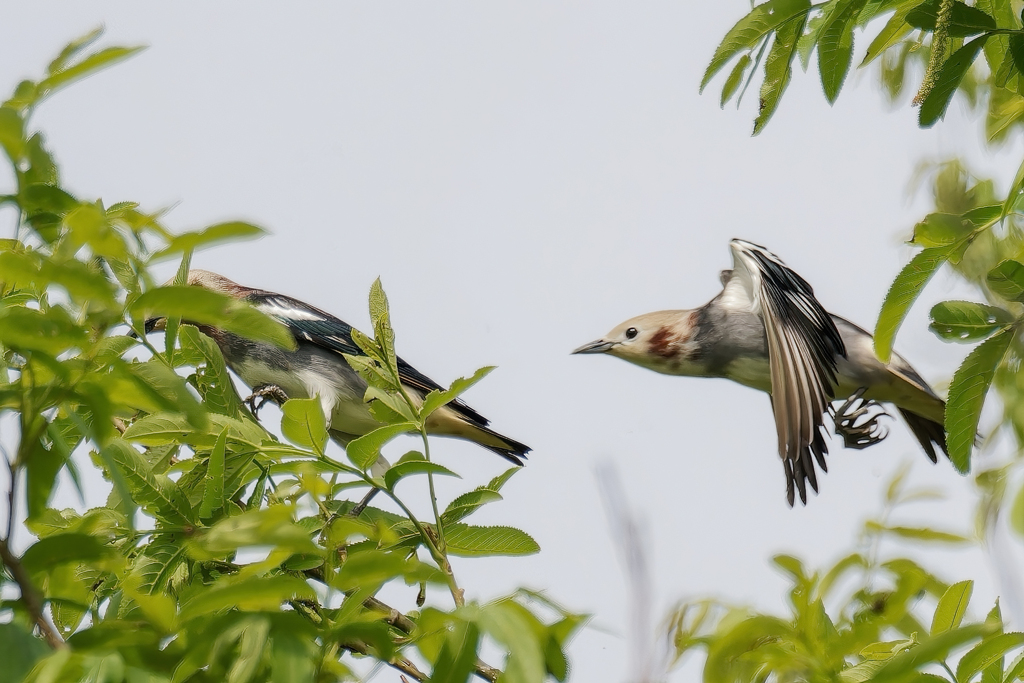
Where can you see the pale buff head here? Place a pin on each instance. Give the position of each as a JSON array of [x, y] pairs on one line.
[[659, 340]]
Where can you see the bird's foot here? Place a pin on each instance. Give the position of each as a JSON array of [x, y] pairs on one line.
[[856, 420], [264, 393]]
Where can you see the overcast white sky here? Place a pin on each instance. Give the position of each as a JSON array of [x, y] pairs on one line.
[[523, 176]]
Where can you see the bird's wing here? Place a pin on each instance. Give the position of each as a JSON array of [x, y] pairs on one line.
[[803, 343], [310, 324]]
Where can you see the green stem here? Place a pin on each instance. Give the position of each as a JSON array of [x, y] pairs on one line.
[[442, 546]]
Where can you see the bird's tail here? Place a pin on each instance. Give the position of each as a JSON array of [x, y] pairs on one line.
[[510, 449], [928, 432]]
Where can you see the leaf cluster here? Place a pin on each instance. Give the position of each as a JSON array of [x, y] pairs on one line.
[[223, 553]]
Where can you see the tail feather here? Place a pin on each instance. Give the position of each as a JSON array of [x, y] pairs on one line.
[[512, 450], [928, 432]]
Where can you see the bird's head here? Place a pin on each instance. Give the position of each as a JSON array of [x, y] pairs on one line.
[[206, 280], [660, 341]]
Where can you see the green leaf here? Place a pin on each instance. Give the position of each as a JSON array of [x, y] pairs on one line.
[[835, 46], [380, 315], [967, 396], [746, 33], [901, 295], [477, 541], [365, 450], [92, 63], [778, 68], [211, 379], [372, 568], [964, 321], [156, 493], [457, 658], [214, 499], [941, 230], [934, 106], [1017, 512], [272, 526], [157, 564], [19, 651], [732, 83], [1007, 280], [233, 231], [200, 306], [12, 134], [891, 34], [952, 607], [468, 503], [435, 399], [931, 650], [253, 593], [59, 549], [304, 424], [965, 20], [505, 622], [402, 470], [292, 658], [987, 652]]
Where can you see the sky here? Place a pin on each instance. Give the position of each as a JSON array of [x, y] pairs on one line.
[[523, 176]]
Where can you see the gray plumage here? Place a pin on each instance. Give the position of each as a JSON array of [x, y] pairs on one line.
[[317, 367], [766, 330]]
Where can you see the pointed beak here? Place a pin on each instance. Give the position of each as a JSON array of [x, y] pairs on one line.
[[598, 346]]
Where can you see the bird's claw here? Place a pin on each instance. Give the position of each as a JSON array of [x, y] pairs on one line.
[[856, 420], [264, 393]]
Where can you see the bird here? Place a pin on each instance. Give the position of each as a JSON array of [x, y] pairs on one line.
[[317, 368], [766, 330]]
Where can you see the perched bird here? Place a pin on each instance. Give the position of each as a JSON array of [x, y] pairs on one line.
[[318, 368], [766, 330]]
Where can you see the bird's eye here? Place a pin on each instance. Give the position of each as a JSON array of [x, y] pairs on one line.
[[631, 332]]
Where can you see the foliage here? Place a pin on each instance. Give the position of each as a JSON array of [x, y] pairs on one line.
[[223, 553], [974, 230], [862, 619]]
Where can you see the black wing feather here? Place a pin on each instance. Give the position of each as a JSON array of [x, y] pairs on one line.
[[310, 324]]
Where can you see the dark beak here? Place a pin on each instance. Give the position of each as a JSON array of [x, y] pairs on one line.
[[598, 346]]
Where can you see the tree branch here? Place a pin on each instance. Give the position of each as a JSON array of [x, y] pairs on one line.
[[29, 595]]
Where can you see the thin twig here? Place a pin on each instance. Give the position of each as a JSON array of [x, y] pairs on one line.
[[396, 662], [29, 595]]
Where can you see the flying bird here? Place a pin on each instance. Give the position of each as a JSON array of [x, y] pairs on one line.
[[317, 368], [767, 331]]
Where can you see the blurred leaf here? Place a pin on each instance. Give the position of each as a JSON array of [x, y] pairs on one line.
[[200, 306], [987, 652], [457, 658], [1007, 280], [933, 649], [967, 397], [46, 553], [233, 231], [953, 70], [272, 526], [303, 423], [745, 34], [19, 651], [255, 593], [941, 230], [292, 658], [12, 133], [892, 33], [964, 321], [952, 607], [94, 62], [901, 295]]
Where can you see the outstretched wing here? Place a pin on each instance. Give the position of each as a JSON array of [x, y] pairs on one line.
[[310, 324], [803, 344]]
